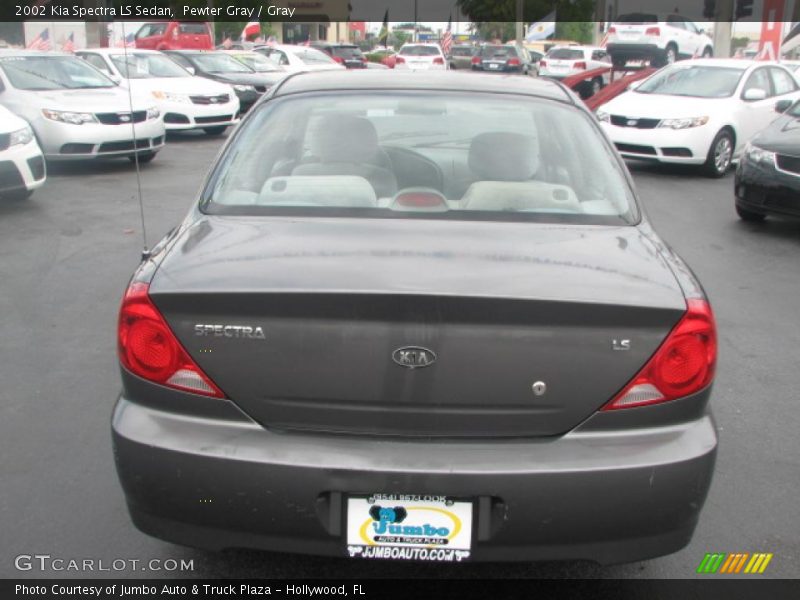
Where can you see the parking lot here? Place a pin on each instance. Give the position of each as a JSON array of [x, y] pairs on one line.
[[68, 252]]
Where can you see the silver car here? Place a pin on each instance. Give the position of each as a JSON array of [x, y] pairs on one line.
[[75, 111]]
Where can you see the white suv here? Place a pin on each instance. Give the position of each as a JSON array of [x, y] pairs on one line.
[[659, 39], [420, 56]]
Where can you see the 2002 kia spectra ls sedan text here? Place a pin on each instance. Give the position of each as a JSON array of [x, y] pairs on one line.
[[423, 317]]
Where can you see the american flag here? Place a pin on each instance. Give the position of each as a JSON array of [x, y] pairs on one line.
[[68, 45], [447, 38], [41, 41]]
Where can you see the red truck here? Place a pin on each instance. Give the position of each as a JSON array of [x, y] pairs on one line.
[[174, 35]]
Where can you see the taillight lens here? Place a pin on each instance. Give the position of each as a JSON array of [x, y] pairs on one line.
[[579, 65], [612, 29], [476, 60], [513, 62], [652, 31], [542, 63], [438, 60], [682, 365], [338, 59], [148, 348]]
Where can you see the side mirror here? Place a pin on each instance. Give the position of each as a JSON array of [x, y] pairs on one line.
[[781, 106], [191, 70], [754, 94]]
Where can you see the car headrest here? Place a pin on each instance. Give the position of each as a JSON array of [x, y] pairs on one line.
[[504, 156], [344, 138]]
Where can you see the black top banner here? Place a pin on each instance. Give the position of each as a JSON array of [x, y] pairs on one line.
[[394, 10]]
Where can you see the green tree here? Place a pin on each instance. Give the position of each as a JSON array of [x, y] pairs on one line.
[[494, 30], [578, 31]]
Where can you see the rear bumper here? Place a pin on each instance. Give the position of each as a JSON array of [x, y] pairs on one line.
[[607, 496]]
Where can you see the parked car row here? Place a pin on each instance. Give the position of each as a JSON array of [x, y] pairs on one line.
[[116, 103]]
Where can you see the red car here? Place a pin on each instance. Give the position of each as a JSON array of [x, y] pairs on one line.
[[174, 35]]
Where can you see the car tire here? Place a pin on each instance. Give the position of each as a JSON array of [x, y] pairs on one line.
[[215, 130], [749, 215], [144, 158], [708, 52], [17, 195], [720, 154]]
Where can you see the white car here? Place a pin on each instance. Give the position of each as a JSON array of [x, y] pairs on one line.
[[186, 101], [659, 39], [563, 61], [421, 57], [22, 167], [699, 112], [294, 59], [75, 111]]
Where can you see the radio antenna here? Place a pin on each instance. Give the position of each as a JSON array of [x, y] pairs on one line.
[[145, 250]]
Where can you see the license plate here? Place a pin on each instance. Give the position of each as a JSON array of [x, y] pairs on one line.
[[494, 66], [409, 527]]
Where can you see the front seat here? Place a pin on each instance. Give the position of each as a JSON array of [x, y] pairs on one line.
[[348, 145]]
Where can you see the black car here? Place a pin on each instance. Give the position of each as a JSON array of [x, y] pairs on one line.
[[768, 176], [348, 55], [219, 66], [503, 59]]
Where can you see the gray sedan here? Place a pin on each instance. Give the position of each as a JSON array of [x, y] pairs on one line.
[[423, 317], [75, 111]]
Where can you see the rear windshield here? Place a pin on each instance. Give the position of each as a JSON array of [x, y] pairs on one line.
[[419, 51], [219, 63], [637, 18], [461, 51], [421, 154], [346, 51], [694, 81], [193, 28], [498, 51], [565, 54], [257, 62]]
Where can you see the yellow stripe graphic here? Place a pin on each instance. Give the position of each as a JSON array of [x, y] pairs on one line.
[[767, 558]]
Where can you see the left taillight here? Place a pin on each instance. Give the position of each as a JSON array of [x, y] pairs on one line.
[[683, 365], [579, 65], [148, 348], [438, 60], [514, 62]]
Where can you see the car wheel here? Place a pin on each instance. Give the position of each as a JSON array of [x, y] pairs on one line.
[[719, 155], [708, 52], [671, 54], [144, 157], [215, 130], [749, 215]]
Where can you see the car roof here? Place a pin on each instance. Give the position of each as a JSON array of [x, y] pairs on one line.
[[731, 63], [108, 51], [447, 81]]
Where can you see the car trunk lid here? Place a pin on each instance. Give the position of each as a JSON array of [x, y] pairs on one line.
[[417, 328]]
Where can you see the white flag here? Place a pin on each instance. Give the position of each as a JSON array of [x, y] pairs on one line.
[[543, 29]]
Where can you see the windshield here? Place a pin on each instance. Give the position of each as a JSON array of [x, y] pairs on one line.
[[257, 62], [419, 51], [694, 81], [310, 56], [794, 110], [52, 73], [346, 52], [219, 63], [144, 66], [498, 51], [565, 54], [421, 154]]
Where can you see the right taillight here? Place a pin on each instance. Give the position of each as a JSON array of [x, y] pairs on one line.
[[338, 59], [148, 348], [542, 63], [682, 365], [476, 60], [652, 31]]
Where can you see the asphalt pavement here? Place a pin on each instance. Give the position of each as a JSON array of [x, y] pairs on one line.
[[66, 255]]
